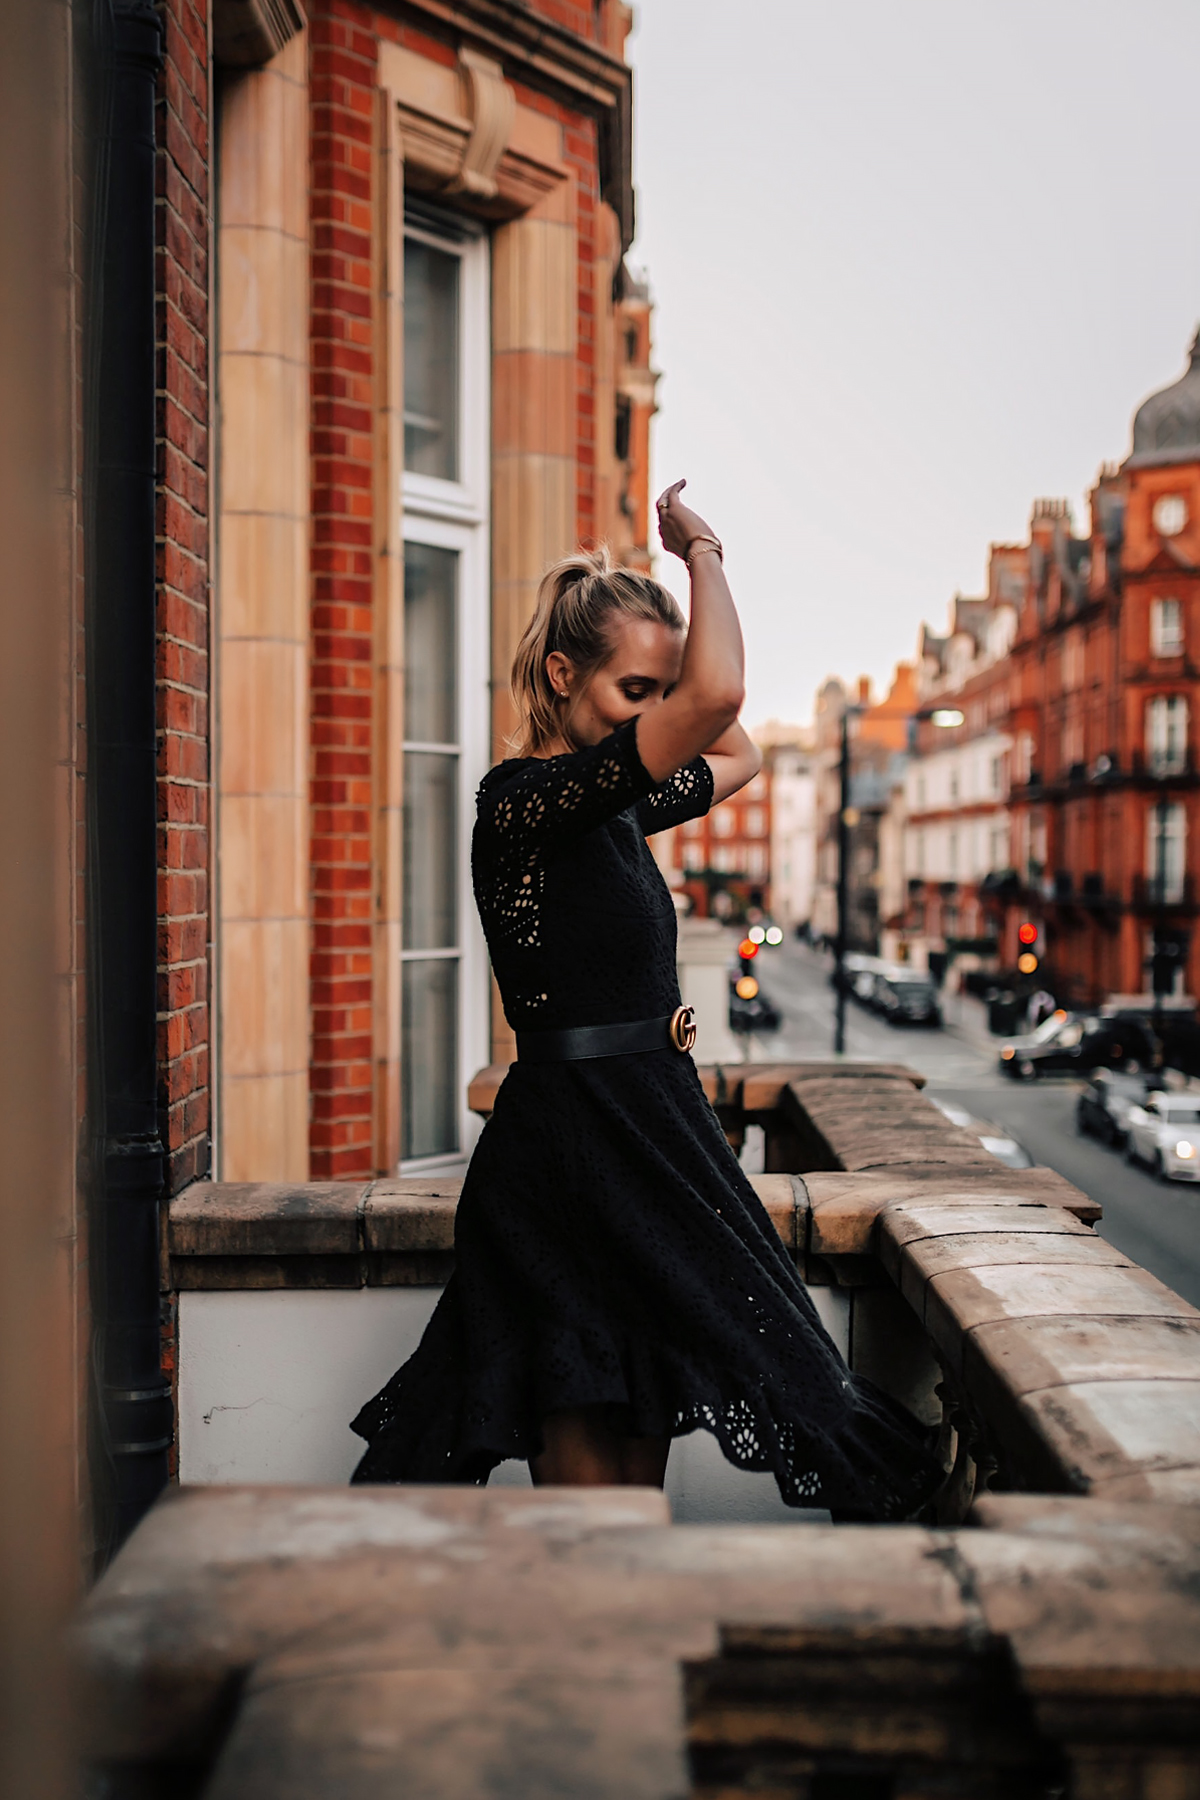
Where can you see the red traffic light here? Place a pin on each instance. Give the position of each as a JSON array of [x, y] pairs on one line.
[[1027, 933], [747, 948]]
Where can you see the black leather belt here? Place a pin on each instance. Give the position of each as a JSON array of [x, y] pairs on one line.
[[676, 1031]]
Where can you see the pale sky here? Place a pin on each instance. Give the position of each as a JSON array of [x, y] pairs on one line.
[[914, 265]]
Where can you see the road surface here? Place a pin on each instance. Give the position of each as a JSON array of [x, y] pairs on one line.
[[1155, 1223]]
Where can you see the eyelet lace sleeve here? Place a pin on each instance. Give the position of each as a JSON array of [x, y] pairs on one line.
[[687, 794], [540, 801]]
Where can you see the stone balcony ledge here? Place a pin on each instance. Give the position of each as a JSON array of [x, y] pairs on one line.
[[976, 1294], [309, 1644]]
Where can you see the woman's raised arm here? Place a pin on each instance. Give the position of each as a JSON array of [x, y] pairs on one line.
[[708, 696]]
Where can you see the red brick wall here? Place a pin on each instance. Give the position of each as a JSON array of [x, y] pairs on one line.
[[342, 88], [343, 72], [182, 533]]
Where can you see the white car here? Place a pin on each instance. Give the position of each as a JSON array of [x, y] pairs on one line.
[[1165, 1133]]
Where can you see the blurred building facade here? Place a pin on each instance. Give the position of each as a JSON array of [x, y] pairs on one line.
[[788, 754], [722, 862], [879, 739], [951, 818]]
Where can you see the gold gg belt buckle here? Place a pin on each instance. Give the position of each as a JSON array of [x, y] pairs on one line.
[[682, 1029]]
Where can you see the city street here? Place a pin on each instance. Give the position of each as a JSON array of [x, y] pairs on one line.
[[1155, 1223]]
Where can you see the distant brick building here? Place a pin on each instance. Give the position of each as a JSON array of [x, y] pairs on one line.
[[1107, 679], [723, 861], [1069, 797]]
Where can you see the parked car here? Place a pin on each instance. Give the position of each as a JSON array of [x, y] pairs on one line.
[[1104, 1106], [906, 997], [859, 971], [995, 1140], [1070, 1045], [1176, 1027], [1165, 1134]]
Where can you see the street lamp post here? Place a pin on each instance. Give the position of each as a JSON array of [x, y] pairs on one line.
[[843, 883]]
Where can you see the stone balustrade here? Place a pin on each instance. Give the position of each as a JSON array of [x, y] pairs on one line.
[[1038, 1639]]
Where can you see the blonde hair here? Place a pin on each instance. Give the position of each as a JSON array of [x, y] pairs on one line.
[[577, 603]]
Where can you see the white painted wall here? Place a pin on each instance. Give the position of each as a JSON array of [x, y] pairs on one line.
[[269, 1379]]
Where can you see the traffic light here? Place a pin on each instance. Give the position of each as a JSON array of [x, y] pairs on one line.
[[747, 984], [1027, 934]]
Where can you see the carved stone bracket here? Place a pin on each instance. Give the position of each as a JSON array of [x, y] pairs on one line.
[[249, 32], [464, 135], [493, 109]]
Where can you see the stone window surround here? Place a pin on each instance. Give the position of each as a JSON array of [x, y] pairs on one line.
[[460, 134]]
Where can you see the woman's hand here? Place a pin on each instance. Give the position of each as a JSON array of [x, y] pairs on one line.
[[678, 525]]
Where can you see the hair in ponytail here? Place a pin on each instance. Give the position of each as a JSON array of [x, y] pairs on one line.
[[577, 604]]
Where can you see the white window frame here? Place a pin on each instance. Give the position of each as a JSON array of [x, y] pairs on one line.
[[453, 515]]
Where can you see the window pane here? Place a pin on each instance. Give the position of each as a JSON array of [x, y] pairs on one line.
[[430, 644], [430, 851], [430, 361], [429, 1058]]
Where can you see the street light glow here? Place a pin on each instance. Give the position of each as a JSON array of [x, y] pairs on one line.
[[946, 716]]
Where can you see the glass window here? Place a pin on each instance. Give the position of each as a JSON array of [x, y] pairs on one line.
[[429, 1056], [1166, 628], [444, 707], [431, 360], [1166, 733], [429, 988], [1166, 840], [430, 850], [430, 644]]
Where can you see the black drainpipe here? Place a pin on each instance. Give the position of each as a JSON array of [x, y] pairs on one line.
[[132, 1411]]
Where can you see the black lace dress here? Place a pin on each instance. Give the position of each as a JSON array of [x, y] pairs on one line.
[[609, 1250]]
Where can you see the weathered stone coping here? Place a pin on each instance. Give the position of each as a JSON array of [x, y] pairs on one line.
[[1078, 1369], [337, 1644]]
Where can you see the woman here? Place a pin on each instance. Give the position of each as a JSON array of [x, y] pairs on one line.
[[617, 1281]]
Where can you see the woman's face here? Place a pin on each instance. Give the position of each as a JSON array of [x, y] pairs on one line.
[[641, 671]]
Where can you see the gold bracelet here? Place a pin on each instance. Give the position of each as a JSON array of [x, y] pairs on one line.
[[702, 543]]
